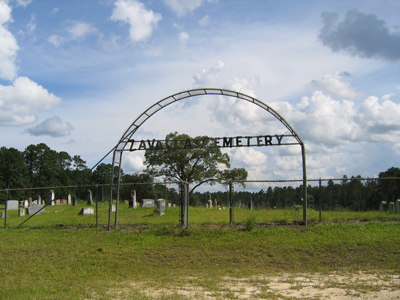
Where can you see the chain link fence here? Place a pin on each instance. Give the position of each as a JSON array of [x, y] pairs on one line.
[[248, 203]]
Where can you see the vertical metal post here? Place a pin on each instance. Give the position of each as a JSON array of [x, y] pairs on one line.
[[320, 201], [230, 204], [111, 193], [6, 206], [97, 206], [181, 212], [118, 184], [303, 152], [184, 215]]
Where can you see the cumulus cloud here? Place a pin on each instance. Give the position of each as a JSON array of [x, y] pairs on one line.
[[360, 34], [76, 31], [23, 3], [8, 45], [19, 101], [183, 37], [183, 7], [133, 162], [53, 127], [204, 21], [141, 20], [332, 85], [208, 77]]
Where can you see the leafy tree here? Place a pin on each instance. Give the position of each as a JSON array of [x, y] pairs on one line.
[[195, 166], [389, 189]]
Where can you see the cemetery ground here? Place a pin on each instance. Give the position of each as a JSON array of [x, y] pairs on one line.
[[329, 260]]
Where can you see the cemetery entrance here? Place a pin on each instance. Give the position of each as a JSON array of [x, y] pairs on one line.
[[128, 143]]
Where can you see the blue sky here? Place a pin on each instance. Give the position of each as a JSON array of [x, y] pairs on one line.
[[75, 74]]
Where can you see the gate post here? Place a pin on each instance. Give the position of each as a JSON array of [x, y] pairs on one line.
[[230, 204], [5, 213], [184, 213]]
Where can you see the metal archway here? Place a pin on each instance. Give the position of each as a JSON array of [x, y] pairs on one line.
[[126, 137]]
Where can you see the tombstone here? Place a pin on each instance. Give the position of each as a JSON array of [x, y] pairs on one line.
[[397, 206], [391, 207], [240, 203], [147, 203], [35, 202], [21, 212], [3, 214], [69, 199], [30, 201], [160, 207], [209, 203], [113, 208], [12, 205], [383, 206], [52, 196], [39, 200], [25, 204], [74, 201], [86, 211], [169, 205], [132, 202], [174, 205], [251, 204], [36, 208], [57, 202], [90, 201]]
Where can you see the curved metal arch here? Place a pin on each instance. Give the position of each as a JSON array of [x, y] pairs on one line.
[[119, 148], [192, 93]]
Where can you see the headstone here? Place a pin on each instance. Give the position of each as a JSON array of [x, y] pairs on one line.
[[35, 202], [169, 205], [21, 212], [25, 204], [132, 202], [174, 205], [69, 199], [397, 206], [383, 206], [74, 201], [240, 203], [30, 201], [36, 208], [12, 205], [57, 202], [52, 197], [3, 214], [147, 203], [160, 207], [113, 208], [39, 200], [209, 203], [251, 204], [90, 201], [391, 207], [86, 211]]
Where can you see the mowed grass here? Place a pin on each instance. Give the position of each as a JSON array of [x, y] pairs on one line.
[[93, 263], [67, 215]]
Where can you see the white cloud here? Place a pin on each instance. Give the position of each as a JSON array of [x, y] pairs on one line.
[[332, 85], [183, 37], [132, 162], [56, 40], [8, 45], [182, 7], [53, 127], [141, 20], [31, 26], [208, 77], [19, 102], [81, 29], [204, 21], [23, 3]]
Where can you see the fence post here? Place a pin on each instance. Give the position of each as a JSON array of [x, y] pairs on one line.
[[97, 205], [230, 203], [6, 206], [320, 201]]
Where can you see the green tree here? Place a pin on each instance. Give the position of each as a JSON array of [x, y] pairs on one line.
[[13, 171], [195, 166]]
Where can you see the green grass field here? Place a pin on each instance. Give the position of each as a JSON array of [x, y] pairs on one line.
[[94, 263], [67, 215]]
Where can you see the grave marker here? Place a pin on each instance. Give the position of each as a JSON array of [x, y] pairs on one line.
[[132, 202], [52, 197], [397, 206], [12, 205], [21, 212], [160, 207], [86, 211], [36, 208], [69, 199], [147, 203], [90, 201], [391, 207], [74, 201], [383, 206]]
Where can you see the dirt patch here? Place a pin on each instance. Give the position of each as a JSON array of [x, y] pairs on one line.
[[284, 286]]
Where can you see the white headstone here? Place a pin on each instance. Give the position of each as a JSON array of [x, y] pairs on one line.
[[52, 197], [25, 204], [33, 209], [86, 211], [12, 205], [147, 203], [21, 212], [30, 201], [132, 202], [210, 203], [160, 207], [69, 199], [39, 199], [90, 202]]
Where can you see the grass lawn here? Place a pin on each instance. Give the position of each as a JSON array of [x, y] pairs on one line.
[[93, 263]]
